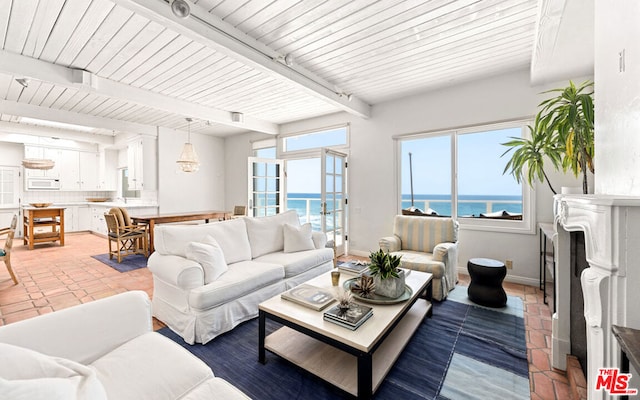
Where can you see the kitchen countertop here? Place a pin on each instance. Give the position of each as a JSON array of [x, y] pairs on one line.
[[96, 203]]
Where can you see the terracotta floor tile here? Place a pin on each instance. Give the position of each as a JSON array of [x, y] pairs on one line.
[[54, 277]]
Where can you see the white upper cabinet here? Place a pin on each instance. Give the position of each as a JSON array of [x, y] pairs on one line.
[[79, 170], [141, 160]]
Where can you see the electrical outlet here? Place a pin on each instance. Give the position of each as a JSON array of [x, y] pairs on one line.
[[509, 264]]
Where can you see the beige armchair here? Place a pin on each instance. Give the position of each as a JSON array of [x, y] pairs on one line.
[[427, 244]]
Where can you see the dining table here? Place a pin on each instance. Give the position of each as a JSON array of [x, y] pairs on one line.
[[162, 218]]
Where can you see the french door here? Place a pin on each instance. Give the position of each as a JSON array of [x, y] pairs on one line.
[[265, 187], [333, 197]]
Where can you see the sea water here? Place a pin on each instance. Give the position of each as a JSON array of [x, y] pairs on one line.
[[468, 205]]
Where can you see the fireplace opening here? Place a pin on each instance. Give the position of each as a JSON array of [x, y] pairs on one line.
[[578, 325]]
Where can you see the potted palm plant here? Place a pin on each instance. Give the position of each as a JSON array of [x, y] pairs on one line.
[[388, 278], [562, 133]]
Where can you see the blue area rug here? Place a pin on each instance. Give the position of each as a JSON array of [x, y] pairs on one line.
[[463, 352], [129, 263]]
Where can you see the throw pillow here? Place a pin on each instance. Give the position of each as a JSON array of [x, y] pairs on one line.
[[297, 238], [210, 256], [29, 375]]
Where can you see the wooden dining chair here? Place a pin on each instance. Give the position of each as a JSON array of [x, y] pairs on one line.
[[5, 253], [128, 239]]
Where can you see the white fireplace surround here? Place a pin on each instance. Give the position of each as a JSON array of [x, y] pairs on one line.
[[611, 286]]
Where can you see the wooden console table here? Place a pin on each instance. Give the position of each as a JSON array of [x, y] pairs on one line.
[[152, 220], [52, 217]]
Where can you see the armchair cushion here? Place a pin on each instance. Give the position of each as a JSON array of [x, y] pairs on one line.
[[390, 244], [150, 367], [28, 374], [424, 233]]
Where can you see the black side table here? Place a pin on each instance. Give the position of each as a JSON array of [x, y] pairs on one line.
[[629, 341], [486, 282]]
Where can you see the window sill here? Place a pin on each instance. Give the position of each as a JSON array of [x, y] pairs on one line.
[[523, 227]]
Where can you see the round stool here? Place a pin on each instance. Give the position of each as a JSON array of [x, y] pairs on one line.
[[486, 282]]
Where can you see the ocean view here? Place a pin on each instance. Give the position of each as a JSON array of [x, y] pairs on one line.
[[468, 205]]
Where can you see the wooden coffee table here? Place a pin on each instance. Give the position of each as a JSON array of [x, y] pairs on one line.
[[354, 361]]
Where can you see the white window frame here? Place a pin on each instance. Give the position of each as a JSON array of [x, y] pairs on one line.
[[525, 226], [15, 190], [281, 153]]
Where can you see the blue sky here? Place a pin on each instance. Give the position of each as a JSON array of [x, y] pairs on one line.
[[480, 164]]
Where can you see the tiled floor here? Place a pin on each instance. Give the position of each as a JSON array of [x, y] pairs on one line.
[[53, 277]]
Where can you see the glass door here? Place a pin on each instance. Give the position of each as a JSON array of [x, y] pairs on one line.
[[265, 187], [334, 199]]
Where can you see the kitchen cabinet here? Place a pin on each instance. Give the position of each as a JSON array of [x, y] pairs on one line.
[[98, 223], [108, 164], [79, 170], [76, 218], [142, 163]]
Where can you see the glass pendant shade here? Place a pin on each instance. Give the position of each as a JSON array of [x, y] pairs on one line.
[[188, 160]]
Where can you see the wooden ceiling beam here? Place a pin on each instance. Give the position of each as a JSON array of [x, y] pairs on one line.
[[211, 31], [22, 66]]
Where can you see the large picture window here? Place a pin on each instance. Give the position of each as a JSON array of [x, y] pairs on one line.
[[459, 173]]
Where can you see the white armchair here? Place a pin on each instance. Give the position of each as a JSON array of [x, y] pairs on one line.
[[427, 244]]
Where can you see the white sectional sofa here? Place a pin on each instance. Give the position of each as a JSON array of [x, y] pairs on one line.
[[208, 278], [101, 350]]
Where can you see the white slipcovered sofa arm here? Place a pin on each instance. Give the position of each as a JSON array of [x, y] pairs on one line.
[[85, 332], [390, 243], [176, 270], [319, 239]]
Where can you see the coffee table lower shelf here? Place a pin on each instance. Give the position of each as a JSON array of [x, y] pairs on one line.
[[339, 367]]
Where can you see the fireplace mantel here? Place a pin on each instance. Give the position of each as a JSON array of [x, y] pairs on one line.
[[611, 286]]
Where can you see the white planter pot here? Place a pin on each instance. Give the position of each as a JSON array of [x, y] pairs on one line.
[[390, 287]]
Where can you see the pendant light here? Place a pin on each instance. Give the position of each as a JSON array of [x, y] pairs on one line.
[[188, 160]]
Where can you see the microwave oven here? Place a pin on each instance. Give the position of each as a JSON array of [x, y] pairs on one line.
[[43, 184]]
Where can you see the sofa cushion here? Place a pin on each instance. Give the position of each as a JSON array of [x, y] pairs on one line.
[[231, 235], [297, 263], [266, 233], [210, 256], [240, 279], [152, 367], [29, 375], [215, 388], [297, 238]]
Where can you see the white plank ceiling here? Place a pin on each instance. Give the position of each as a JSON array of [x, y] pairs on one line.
[[147, 67]]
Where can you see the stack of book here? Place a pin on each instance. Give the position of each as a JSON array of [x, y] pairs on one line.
[[354, 267], [350, 318]]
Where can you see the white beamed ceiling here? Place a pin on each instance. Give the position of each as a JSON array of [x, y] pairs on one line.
[[375, 50]]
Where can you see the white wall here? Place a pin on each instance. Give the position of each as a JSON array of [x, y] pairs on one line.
[[236, 150], [372, 176], [11, 154], [617, 96], [185, 192]]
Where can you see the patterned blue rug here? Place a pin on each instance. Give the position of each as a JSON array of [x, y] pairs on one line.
[[463, 352], [129, 263]]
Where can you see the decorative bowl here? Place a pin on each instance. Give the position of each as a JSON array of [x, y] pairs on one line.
[[98, 199], [40, 205]]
